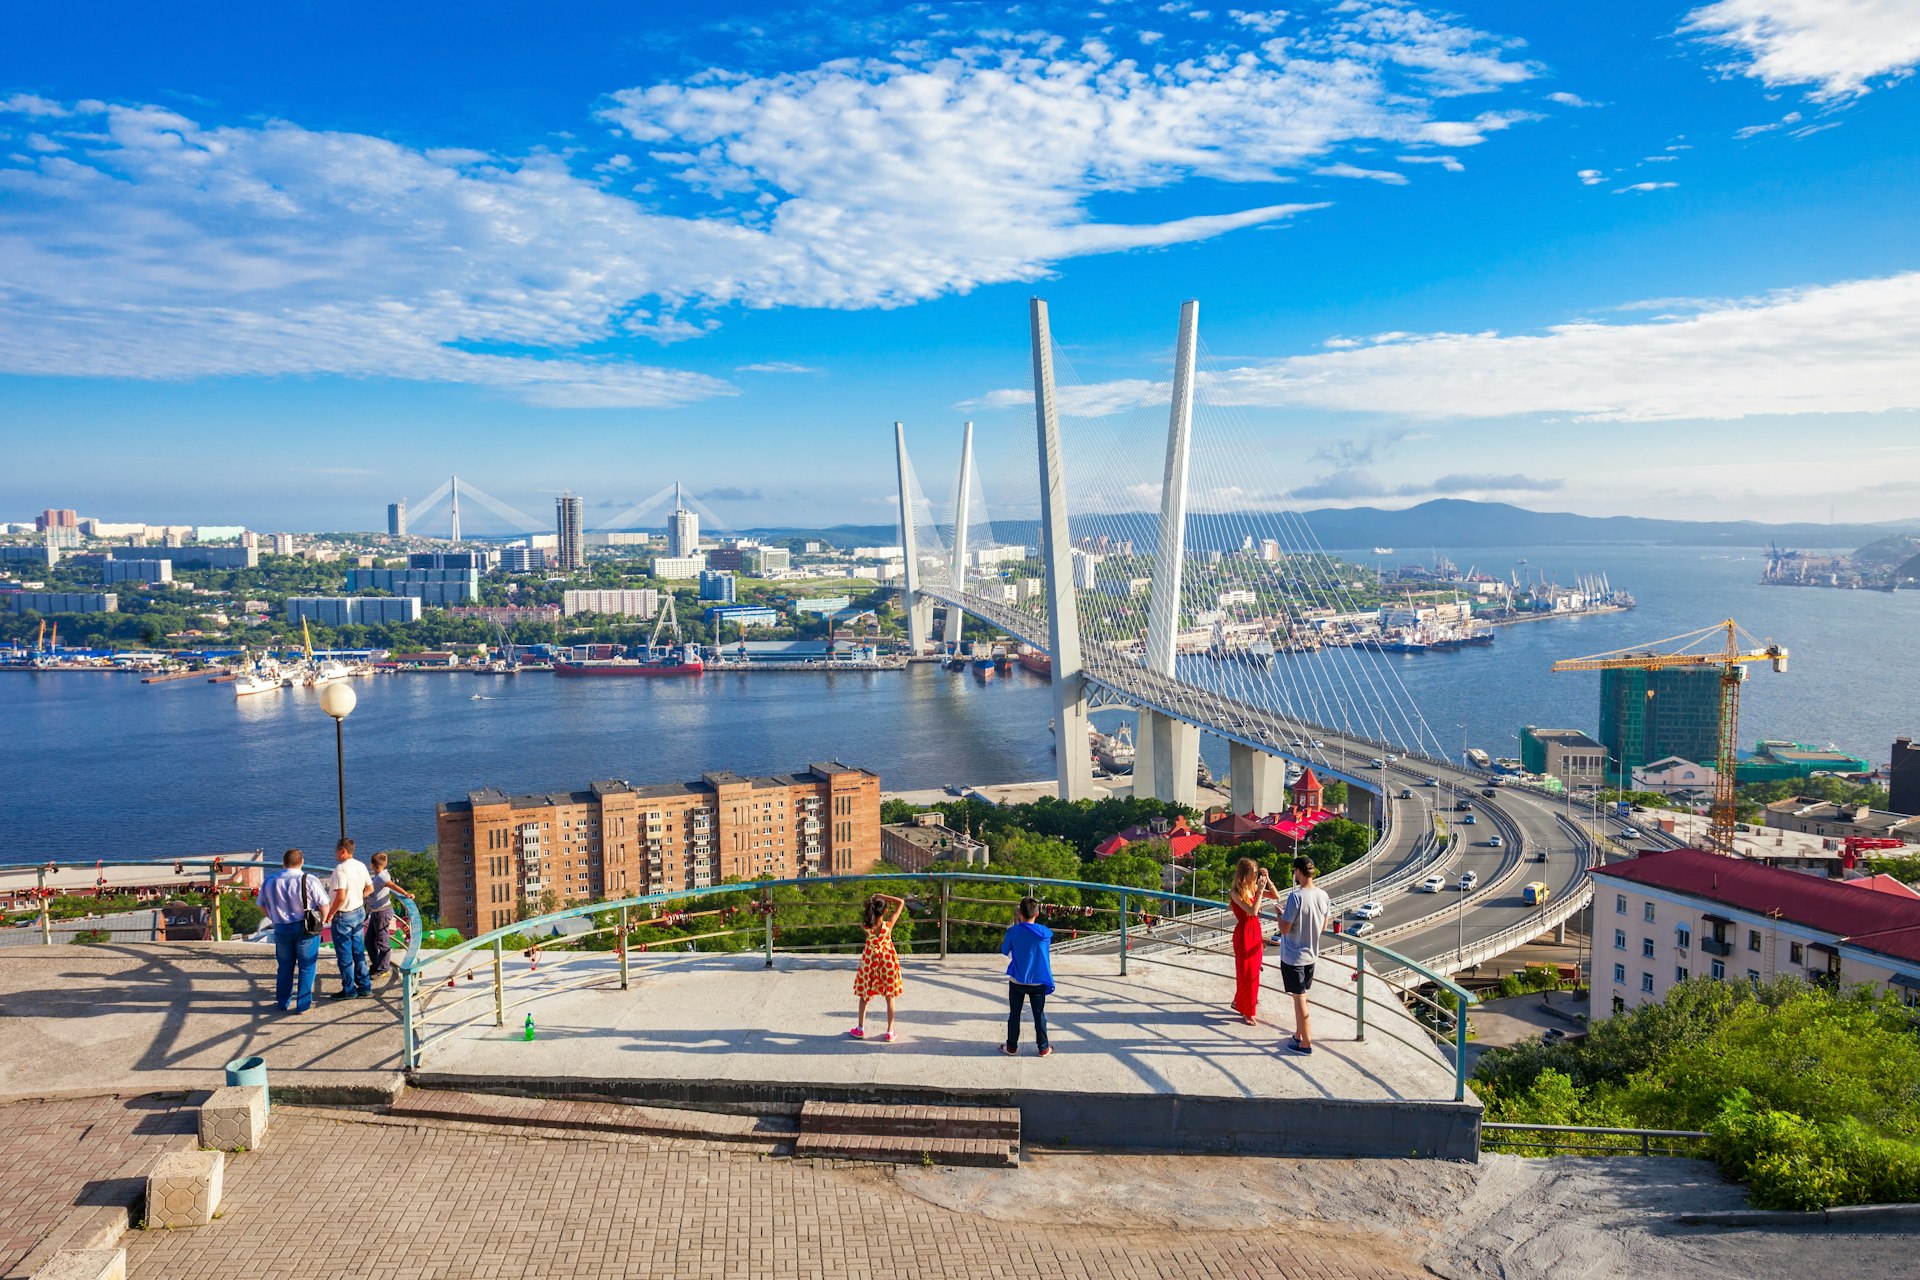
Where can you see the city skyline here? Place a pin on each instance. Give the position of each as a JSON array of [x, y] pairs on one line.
[[1455, 252]]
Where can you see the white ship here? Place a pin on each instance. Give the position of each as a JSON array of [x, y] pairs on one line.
[[324, 671], [1383, 551], [263, 676]]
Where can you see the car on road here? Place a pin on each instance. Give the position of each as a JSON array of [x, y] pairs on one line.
[[1493, 842], [1469, 821], [1367, 910], [1431, 782], [1487, 792], [1317, 743], [1406, 793], [1464, 806], [1468, 879], [1377, 763], [1432, 884], [1358, 927], [1629, 833], [1391, 757]]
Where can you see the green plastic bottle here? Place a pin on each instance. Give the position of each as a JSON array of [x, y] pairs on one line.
[[529, 1031]]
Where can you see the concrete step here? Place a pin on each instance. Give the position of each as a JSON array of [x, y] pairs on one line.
[[583, 1116], [986, 1153], [996, 1124]]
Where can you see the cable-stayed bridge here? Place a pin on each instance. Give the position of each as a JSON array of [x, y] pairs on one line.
[[1173, 577]]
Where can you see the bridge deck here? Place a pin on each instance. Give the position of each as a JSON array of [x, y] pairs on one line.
[[1154, 1060]]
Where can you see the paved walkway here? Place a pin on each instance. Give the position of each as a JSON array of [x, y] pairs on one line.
[[444, 1202], [130, 1019], [77, 1151]]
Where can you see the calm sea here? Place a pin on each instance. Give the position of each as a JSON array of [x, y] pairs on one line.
[[101, 766]]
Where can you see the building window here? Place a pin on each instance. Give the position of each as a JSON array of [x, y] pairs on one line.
[[1619, 1004], [1753, 977], [1619, 939], [1796, 953], [1647, 912], [1683, 936], [1646, 947], [1646, 982], [1719, 971], [1620, 974], [1620, 904], [1753, 939], [1679, 973]]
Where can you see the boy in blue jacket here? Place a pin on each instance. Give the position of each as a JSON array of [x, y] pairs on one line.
[[1029, 975]]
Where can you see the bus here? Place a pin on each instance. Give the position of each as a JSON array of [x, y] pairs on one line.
[[1537, 893]]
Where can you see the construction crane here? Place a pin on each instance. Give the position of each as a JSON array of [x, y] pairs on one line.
[[1732, 659]]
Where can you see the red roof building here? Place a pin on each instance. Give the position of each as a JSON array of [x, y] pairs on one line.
[[1180, 839]]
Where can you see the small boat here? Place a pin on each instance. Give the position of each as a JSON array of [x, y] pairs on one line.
[[983, 668], [1387, 551]]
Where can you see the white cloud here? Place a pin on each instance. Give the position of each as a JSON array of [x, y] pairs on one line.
[[159, 246], [1838, 46], [1657, 159], [1844, 348], [1353, 483], [1570, 100], [778, 366], [1590, 177], [1641, 188], [1449, 163], [1264, 21], [1344, 170]]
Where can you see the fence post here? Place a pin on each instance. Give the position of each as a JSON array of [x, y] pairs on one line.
[[624, 975], [409, 1053], [1644, 1136], [1123, 934], [1460, 1051], [1359, 991], [46, 910], [766, 916], [499, 984], [213, 904], [945, 889]]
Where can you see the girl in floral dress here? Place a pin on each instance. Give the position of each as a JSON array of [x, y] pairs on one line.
[[879, 964]]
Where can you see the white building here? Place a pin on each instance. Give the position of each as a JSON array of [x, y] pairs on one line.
[[1672, 776], [987, 557], [1086, 569], [879, 553], [674, 568], [643, 603]]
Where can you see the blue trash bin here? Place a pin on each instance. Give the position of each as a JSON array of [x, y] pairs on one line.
[[250, 1070]]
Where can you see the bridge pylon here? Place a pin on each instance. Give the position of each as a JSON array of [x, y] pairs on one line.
[[919, 611], [1167, 751], [1071, 749], [963, 495]]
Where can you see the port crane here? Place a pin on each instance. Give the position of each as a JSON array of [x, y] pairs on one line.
[[1732, 660]]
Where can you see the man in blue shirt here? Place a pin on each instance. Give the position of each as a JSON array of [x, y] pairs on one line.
[[286, 898], [1029, 976]]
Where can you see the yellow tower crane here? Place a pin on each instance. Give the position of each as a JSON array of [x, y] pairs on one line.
[[1731, 658]]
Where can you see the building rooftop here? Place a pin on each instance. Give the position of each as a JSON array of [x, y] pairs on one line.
[[1813, 809], [1565, 737], [706, 784], [1870, 919]]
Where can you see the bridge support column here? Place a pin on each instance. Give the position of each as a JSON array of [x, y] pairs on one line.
[[1166, 759], [1560, 932], [1362, 806], [1259, 780], [1070, 745], [919, 612], [963, 496]]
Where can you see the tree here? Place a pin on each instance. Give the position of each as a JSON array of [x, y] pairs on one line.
[[419, 875]]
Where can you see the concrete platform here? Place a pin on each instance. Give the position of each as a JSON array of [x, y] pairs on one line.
[[132, 1018], [1154, 1061]]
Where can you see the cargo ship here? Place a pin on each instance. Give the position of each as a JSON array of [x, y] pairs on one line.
[[1039, 663]]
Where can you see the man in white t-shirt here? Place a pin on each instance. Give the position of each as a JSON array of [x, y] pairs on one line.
[[1305, 915], [347, 913]]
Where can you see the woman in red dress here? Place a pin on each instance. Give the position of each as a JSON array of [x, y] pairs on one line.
[[1250, 887], [879, 973]]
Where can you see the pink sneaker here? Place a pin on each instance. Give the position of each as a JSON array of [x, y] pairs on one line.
[[858, 1033], [887, 1036]]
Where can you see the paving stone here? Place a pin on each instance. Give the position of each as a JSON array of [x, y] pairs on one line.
[[85, 1264], [234, 1118], [184, 1188]]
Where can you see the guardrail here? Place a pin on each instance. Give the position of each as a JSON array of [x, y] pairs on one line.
[[766, 915], [1523, 1139]]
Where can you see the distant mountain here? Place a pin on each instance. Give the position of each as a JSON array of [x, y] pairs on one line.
[[1443, 522]]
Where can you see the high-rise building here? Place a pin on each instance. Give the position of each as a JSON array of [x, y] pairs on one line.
[[61, 601], [522, 559], [718, 584], [643, 603], [683, 529], [1645, 715], [503, 857], [1904, 785], [397, 519], [429, 586], [571, 550], [282, 544], [350, 611], [53, 518]]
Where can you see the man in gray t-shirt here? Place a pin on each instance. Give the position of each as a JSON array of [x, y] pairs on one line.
[[1305, 915]]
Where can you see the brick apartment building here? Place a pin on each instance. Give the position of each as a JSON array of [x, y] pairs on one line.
[[502, 857]]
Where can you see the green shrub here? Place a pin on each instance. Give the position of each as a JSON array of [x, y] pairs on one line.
[[87, 936]]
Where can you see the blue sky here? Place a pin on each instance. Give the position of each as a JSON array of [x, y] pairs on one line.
[[282, 269]]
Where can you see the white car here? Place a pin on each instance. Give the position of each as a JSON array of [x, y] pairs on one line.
[[1433, 883], [1629, 833], [1392, 758], [1358, 928], [1367, 910], [1468, 879], [1494, 842]]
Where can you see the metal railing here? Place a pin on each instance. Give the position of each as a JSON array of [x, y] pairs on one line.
[[1538, 1139], [769, 914]]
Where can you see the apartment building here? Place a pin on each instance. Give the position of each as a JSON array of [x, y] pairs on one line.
[[503, 857], [1662, 918]]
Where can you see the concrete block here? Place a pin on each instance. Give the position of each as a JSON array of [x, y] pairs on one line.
[[234, 1118], [184, 1188], [85, 1264]]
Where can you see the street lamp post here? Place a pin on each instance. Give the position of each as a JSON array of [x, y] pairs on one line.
[[337, 700]]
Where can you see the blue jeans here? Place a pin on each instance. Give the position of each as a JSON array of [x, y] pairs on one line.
[[294, 949], [350, 949]]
